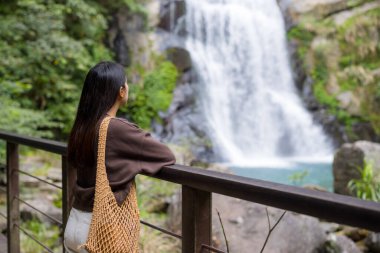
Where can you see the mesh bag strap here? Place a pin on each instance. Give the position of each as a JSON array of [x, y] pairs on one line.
[[101, 174]]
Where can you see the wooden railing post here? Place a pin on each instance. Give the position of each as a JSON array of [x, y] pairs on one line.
[[196, 219], [68, 181], [13, 208]]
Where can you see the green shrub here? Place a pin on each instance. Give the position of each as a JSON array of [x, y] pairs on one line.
[[366, 187], [154, 95], [297, 178], [48, 235], [46, 48]]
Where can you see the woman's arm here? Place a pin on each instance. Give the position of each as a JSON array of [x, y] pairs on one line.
[[147, 154], [154, 155]]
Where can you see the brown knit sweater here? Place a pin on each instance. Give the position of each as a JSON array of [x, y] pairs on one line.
[[129, 151]]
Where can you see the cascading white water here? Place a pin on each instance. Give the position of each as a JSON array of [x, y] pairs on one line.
[[238, 48]]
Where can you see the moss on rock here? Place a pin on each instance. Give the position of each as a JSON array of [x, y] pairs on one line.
[[343, 61]]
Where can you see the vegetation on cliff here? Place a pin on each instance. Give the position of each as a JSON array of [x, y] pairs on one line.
[[342, 56], [47, 47]]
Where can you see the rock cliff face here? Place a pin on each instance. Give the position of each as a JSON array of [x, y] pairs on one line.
[[183, 122], [136, 38], [131, 37], [334, 49]]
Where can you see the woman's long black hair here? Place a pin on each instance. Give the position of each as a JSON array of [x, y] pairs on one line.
[[100, 91]]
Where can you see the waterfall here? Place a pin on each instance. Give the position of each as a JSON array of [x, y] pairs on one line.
[[247, 93]]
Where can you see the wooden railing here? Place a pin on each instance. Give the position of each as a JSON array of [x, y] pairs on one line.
[[197, 188]]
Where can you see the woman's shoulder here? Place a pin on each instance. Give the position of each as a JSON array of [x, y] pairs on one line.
[[122, 124], [122, 131]]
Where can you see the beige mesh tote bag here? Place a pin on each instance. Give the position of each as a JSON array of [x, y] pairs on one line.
[[113, 228]]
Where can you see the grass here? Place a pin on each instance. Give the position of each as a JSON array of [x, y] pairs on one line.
[[154, 241], [151, 198], [46, 234]]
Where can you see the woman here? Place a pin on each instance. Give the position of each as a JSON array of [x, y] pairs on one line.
[[129, 149]]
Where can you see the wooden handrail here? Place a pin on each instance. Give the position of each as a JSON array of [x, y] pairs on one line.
[[38, 143], [326, 205]]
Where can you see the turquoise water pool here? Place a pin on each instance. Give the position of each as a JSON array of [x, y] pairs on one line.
[[298, 174]]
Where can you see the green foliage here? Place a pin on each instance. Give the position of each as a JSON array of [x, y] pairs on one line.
[[150, 191], [154, 95], [48, 235], [57, 200], [320, 74], [342, 58], [358, 39], [301, 34], [47, 47], [298, 177], [135, 6], [84, 20], [152, 194], [303, 37], [366, 187]]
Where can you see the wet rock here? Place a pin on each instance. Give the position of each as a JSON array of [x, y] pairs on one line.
[[44, 205], [159, 205], [330, 227], [294, 233], [318, 8], [355, 234], [54, 174], [29, 182], [365, 131], [350, 102], [184, 122], [170, 13], [121, 49], [180, 57], [339, 244], [343, 16], [331, 126], [246, 226], [349, 158], [131, 36], [373, 242]]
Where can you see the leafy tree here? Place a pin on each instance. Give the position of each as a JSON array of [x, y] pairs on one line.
[[47, 47], [46, 50]]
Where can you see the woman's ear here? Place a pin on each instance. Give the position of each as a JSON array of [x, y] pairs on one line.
[[122, 92]]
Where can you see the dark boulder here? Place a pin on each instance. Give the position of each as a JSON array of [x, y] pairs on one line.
[[180, 57], [349, 158]]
